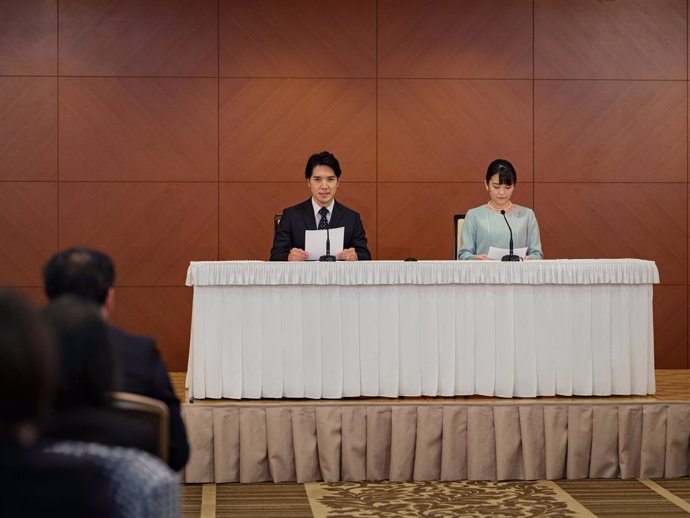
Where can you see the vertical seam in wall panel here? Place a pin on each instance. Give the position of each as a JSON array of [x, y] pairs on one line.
[[376, 172], [218, 132], [687, 196], [534, 110], [57, 123]]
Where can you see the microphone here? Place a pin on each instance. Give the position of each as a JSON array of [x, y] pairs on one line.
[[511, 257], [328, 258]]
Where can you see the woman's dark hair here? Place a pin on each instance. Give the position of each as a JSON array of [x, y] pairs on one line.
[[323, 158], [505, 171], [27, 364], [86, 371]]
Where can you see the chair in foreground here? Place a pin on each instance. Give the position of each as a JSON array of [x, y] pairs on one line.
[[141, 485], [458, 221], [150, 411]]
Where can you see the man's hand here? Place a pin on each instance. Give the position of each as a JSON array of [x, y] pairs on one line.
[[481, 257], [297, 254], [349, 254]]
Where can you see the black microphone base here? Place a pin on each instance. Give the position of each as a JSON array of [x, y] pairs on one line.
[[327, 259], [511, 258]]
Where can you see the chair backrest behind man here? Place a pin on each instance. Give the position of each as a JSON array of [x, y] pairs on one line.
[[458, 221], [152, 412]]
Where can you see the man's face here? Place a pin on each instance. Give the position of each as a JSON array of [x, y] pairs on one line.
[[323, 184]]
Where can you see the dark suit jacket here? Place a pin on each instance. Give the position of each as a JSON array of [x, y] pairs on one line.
[[297, 219], [143, 372]]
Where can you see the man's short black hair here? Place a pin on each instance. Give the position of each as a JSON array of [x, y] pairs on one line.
[[79, 271], [323, 158]]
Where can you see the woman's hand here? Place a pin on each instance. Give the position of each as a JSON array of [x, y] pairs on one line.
[[481, 257]]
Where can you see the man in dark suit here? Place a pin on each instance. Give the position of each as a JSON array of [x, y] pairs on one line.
[[90, 274], [321, 211]]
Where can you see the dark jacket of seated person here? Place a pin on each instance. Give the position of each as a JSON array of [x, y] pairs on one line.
[[143, 372], [298, 218], [86, 378]]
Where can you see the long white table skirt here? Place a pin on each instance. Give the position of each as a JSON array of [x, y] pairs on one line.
[[330, 341]]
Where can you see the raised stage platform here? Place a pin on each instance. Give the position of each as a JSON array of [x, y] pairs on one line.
[[425, 438]]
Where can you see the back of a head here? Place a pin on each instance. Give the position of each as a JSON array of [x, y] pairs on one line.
[[86, 370], [26, 364], [83, 272], [322, 158]]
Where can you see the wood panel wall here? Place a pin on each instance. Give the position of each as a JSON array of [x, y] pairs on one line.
[[164, 131]]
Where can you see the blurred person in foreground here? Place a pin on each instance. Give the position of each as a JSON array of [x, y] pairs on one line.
[[485, 226], [86, 380], [90, 274], [34, 483]]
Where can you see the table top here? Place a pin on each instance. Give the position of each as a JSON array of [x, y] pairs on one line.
[[559, 271]]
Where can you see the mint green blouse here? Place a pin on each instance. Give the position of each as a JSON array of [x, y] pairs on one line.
[[484, 228]]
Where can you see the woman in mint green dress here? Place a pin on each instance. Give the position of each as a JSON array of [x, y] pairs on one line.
[[485, 227]]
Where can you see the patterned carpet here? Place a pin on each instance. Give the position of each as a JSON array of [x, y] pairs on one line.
[[609, 498], [441, 499]]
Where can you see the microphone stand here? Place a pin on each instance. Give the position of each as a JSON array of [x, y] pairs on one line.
[[511, 257], [328, 258]]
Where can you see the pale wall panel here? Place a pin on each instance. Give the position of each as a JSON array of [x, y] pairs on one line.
[[151, 230], [607, 131], [162, 313], [591, 39], [269, 127], [455, 38], [28, 37], [28, 128], [28, 226], [138, 129], [671, 327], [299, 38], [135, 38], [645, 221], [450, 130]]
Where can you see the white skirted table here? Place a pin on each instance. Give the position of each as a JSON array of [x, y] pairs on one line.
[[433, 328]]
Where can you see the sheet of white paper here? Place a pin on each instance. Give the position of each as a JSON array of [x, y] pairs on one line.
[[496, 253], [315, 242]]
